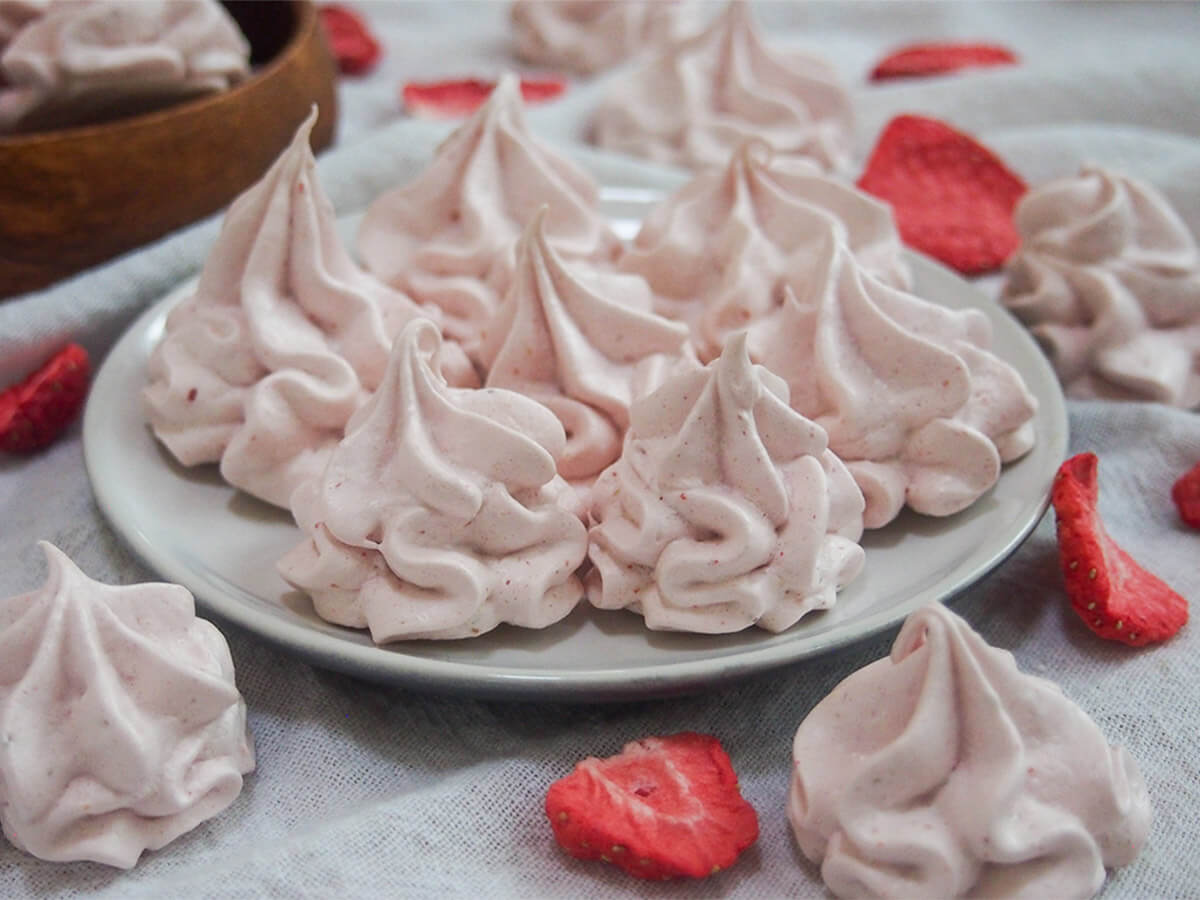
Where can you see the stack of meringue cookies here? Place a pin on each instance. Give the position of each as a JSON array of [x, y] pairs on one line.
[[507, 410]]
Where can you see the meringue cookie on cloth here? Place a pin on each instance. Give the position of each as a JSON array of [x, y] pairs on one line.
[[718, 251], [694, 101], [441, 514], [81, 62], [944, 771], [1108, 280], [571, 337], [913, 400], [282, 341], [447, 237], [585, 36], [726, 508], [121, 727]]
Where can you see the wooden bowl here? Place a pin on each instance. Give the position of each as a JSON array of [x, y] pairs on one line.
[[72, 198]]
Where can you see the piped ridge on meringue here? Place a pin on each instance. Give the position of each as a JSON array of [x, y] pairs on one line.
[[944, 771], [122, 726], [282, 340], [695, 100], [1108, 281], [441, 514], [726, 508]]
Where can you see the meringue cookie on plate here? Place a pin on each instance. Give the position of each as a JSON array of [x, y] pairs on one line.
[[913, 400], [944, 771], [571, 337], [121, 727], [691, 103], [282, 340], [81, 62], [1108, 280], [718, 251], [441, 514], [726, 508], [447, 237], [585, 36]]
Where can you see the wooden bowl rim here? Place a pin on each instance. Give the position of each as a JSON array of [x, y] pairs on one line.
[[305, 24]]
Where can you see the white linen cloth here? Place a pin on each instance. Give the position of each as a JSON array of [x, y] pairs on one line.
[[366, 791]]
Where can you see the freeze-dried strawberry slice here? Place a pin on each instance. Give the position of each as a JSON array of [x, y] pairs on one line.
[[1186, 494], [35, 412], [450, 99], [952, 197], [939, 58], [353, 45], [1115, 597], [666, 807]]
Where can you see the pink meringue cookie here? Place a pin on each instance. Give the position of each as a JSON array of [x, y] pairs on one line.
[[1108, 280], [447, 237], [718, 251], [912, 398], [121, 727], [441, 514], [571, 338], [585, 36], [726, 508], [283, 339], [82, 62], [694, 101], [944, 771]]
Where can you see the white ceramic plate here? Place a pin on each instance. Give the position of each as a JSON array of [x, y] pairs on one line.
[[191, 528]]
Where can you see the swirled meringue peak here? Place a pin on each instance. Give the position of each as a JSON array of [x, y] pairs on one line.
[[944, 771], [283, 339], [571, 337], [448, 236], [80, 62], [121, 727], [441, 514], [585, 36], [726, 508], [1108, 281], [694, 101], [912, 398], [718, 251]]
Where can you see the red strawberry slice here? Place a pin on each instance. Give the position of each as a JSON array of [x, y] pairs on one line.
[[451, 99], [353, 45], [938, 58], [952, 197], [1186, 494], [36, 411], [666, 807], [1115, 597]]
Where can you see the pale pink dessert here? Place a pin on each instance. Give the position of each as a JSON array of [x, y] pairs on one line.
[[695, 100], [80, 62], [719, 250], [447, 237], [1108, 280], [913, 400], [726, 508], [441, 514], [944, 771], [585, 36], [571, 337], [121, 726], [282, 340]]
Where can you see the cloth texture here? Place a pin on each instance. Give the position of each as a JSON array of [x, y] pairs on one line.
[[365, 790]]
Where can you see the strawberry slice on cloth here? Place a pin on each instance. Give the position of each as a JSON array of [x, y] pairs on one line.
[[354, 46], [1186, 494], [451, 99], [953, 199], [665, 807], [1115, 597], [917, 60], [35, 412]]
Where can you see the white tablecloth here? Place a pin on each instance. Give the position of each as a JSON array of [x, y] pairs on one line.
[[364, 790]]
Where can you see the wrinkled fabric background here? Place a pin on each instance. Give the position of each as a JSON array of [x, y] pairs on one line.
[[364, 790]]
